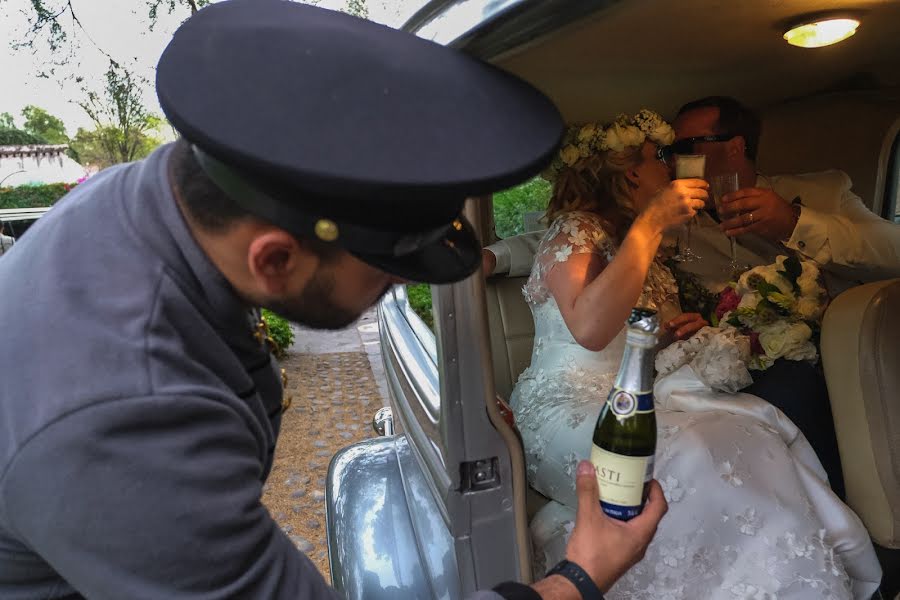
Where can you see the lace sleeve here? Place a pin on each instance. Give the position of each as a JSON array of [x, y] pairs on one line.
[[569, 235]]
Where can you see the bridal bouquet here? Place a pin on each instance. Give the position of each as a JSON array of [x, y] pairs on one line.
[[771, 312], [779, 307]]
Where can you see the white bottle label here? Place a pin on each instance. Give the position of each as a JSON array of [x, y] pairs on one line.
[[621, 479]]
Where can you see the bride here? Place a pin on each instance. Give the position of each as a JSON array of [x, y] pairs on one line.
[[750, 512]]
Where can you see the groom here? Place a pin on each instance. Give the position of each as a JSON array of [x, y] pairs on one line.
[[813, 215]]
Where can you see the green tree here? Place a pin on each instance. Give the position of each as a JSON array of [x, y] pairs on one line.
[[125, 130], [40, 123], [10, 136], [53, 22], [357, 8], [7, 121], [511, 205]]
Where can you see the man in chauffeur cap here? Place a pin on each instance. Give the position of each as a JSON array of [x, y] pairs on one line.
[[323, 158]]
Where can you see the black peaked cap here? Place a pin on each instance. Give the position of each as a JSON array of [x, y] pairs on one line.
[[308, 116]]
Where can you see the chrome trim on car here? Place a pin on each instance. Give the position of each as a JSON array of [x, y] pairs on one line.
[[386, 538], [443, 22], [490, 28], [383, 421], [414, 420]]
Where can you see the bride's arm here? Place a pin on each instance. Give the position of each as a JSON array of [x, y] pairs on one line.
[[596, 297]]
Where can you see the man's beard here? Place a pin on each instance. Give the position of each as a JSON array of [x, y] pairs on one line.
[[315, 307]]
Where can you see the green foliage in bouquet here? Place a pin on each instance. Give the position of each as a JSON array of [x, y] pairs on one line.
[[773, 305], [693, 295], [280, 332]]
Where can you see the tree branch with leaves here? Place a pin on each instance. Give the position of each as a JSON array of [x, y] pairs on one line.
[[124, 126]]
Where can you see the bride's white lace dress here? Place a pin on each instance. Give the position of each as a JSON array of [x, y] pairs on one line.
[[750, 512]]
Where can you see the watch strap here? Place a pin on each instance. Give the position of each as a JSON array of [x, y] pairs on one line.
[[513, 590], [579, 578]]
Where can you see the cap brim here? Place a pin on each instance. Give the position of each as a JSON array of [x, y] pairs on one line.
[[449, 259]]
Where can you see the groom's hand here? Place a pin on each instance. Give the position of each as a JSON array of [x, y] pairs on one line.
[[759, 211], [605, 547], [686, 324]]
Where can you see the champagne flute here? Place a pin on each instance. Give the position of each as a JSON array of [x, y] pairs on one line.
[[721, 185], [689, 166]]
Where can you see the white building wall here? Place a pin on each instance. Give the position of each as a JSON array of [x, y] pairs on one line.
[[29, 165]]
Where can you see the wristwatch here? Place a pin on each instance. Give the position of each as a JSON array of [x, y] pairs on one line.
[[579, 578]]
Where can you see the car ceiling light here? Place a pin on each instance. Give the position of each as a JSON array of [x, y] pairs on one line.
[[824, 32]]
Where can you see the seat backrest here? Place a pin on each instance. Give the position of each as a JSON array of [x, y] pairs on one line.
[[861, 356], [799, 137], [512, 331]]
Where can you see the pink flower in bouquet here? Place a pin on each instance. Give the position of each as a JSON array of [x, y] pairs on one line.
[[728, 301]]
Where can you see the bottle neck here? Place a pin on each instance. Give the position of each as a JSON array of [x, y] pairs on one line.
[[636, 372]]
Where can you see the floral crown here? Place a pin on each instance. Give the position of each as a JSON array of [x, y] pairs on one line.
[[581, 141]]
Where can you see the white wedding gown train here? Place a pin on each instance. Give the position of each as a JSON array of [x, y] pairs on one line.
[[751, 514]]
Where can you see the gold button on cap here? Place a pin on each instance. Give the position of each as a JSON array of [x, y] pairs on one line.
[[326, 230]]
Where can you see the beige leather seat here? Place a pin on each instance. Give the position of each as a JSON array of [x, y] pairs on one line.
[[512, 338], [511, 329], [860, 352]]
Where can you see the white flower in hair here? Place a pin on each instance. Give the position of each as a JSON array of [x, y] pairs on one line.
[[612, 141], [570, 155], [588, 132], [582, 141]]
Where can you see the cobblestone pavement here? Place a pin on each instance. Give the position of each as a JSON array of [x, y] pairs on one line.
[[335, 394]]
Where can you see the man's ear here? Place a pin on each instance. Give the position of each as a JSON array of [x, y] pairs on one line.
[[276, 260], [737, 147]]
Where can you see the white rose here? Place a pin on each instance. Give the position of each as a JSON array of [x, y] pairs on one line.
[[805, 351], [569, 155], [662, 134], [782, 337], [630, 135], [612, 141], [770, 274], [750, 300]]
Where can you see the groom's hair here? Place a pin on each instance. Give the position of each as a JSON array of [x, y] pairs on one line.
[[734, 119]]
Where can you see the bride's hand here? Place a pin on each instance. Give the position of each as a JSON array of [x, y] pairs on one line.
[[675, 204], [685, 325]]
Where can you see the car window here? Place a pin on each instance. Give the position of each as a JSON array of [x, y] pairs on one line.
[[520, 209], [892, 183], [419, 295]]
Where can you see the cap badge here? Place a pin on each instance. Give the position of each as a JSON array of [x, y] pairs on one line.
[[326, 230]]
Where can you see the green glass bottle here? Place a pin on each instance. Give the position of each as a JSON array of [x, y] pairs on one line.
[[625, 436]]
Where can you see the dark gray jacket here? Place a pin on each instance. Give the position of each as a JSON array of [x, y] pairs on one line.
[[138, 415]]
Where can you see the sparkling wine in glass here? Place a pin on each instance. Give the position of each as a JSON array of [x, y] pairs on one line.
[[689, 166], [720, 185]]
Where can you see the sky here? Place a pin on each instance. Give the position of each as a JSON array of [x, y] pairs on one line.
[[121, 28]]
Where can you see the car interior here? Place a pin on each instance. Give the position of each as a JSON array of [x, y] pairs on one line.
[[829, 108]]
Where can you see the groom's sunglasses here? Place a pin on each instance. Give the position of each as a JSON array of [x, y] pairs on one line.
[[686, 145]]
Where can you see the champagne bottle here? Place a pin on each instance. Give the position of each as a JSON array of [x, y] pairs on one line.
[[625, 435]]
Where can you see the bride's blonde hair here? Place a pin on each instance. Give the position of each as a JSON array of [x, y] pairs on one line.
[[598, 184], [589, 171]]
